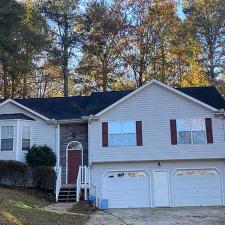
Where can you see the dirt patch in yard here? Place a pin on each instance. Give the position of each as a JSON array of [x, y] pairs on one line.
[[27, 207], [82, 207]]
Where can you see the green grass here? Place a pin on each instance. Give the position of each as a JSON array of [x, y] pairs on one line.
[[25, 207]]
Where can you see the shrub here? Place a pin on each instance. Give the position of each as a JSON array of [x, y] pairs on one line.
[[41, 156], [16, 173], [44, 178]]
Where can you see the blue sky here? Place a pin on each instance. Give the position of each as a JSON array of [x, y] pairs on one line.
[[179, 10]]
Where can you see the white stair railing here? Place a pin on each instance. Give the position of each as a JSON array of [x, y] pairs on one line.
[[83, 181], [58, 182], [79, 180]]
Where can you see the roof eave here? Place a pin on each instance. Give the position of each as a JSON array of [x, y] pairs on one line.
[[25, 108], [69, 121]]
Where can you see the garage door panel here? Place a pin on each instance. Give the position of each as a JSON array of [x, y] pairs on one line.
[[126, 189], [197, 187]]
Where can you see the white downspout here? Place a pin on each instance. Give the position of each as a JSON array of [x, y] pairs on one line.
[[58, 145], [18, 138]]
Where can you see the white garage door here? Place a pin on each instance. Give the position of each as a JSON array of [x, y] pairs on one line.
[[197, 187], [127, 189]]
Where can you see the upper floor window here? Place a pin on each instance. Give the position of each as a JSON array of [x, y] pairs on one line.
[[191, 131], [122, 133], [26, 136], [7, 134]]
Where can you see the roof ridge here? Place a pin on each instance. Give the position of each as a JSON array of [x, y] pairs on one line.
[[209, 86], [103, 92], [57, 97]]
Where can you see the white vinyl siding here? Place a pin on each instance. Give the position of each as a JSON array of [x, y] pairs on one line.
[[155, 107], [41, 132], [122, 134]]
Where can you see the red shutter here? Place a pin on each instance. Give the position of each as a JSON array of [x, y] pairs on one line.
[[209, 131], [104, 134], [139, 133], [173, 132]]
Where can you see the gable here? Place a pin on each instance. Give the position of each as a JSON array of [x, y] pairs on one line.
[[11, 111], [186, 93], [155, 100]]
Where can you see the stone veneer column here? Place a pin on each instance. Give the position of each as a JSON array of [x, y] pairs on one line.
[[68, 133]]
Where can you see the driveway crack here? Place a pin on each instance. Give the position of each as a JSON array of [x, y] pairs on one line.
[[119, 218]]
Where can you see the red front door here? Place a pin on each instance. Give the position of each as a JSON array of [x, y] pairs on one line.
[[74, 161]]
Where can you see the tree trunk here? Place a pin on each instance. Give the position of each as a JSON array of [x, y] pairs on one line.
[[66, 56], [105, 75], [6, 85], [104, 83], [163, 72], [24, 94], [212, 74], [142, 69], [13, 88], [66, 80]]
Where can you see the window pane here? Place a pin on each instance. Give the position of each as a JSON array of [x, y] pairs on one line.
[[129, 127], [7, 144], [198, 124], [184, 124], [115, 128], [199, 137], [115, 140], [25, 144], [129, 139], [26, 132], [7, 132], [184, 137]]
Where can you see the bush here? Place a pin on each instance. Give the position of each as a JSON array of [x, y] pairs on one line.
[[44, 178], [14, 172], [41, 156]]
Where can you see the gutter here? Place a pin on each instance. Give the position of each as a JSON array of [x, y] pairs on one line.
[[91, 117], [55, 122], [220, 112], [83, 119]]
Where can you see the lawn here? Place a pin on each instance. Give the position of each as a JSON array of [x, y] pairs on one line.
[[26, 207]]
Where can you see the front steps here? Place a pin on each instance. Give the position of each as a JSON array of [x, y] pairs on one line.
[[67, 194]]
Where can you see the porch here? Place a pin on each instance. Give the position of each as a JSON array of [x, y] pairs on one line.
[[73, 192]]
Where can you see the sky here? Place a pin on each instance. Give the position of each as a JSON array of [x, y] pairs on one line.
[[179, 10]]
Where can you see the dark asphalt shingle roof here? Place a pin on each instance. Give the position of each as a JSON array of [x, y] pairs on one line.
[[14, 116], [61, 108], [208, 95]]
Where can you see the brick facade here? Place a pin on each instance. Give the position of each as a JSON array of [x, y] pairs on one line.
[[68, 133]]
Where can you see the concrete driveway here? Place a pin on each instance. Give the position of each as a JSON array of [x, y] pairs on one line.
[[160, 216]]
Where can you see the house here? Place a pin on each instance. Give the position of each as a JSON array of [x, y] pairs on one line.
[[156, 146]]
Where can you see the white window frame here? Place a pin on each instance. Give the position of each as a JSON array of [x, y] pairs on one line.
[[122, 138], [25, 138], [192, 143], [7, 125]]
